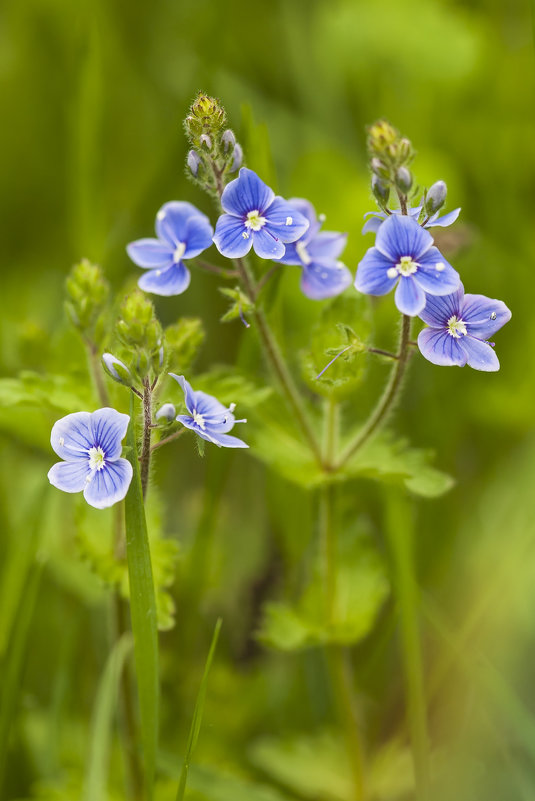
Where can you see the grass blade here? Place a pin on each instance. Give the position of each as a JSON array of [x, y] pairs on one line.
[[105, 705], [142, 610], [197, 714]]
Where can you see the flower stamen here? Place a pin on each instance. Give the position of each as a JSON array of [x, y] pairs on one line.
[[255, 221], [456, 327]]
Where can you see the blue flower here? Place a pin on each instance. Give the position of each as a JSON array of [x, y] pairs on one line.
[[255, 218], [378, 217], [183, 232], [317, 252], [404, 255], [90, 444], [459, 326], [207, 417]]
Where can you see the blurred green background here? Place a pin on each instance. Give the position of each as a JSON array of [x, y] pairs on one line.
[[93, 95]]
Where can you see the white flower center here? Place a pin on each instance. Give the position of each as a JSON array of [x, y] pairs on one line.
[[97, 458], [289, 220], [199, 419], [302, 252], [254, 221], [456, 327], [179, 251], [406, 266]]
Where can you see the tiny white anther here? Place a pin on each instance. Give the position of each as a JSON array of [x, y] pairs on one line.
[[439, 266], [289, 220], [245, 234], [179, 251], [232, 407], [158, 272], [321, 218], [391, 272], [493, 316], [62, 441], [161, 214]]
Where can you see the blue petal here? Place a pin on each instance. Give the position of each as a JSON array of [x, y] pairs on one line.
[[69, 476], [290, 255], [306, 209], [285, 221], [445, 220], [108, 485], [198, 236], [409, 297], [372, 278], [189, 394], [150, 253], [246, 193], [327, 245], [402, 236], [480, 354], [209, 407], [172, 220], [225, 441], [229, 237], [441, 348], [477, 311], [372, 224], [109, 428], [267, 244], [71, 437], [172, 281], [324, 280], [438, 309], [435, 281]]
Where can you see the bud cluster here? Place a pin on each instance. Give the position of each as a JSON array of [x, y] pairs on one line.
[[214, 151], [390, 155], [87, 297], [140, 332]]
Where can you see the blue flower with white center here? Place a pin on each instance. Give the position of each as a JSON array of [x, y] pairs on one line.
[[376, 218], [208, 417], [255, 218], [459, 326], [404, 255], [183, 232], [317, 252], [90, 444]]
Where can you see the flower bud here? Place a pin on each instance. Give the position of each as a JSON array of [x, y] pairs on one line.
[[379, 168], [87, 295], [237, 158], [435, 197], [228, 140], [193, 162], [403, 179], [380, 189], [117, 369], [206, 116], [205, 141], [182, 342], [166, 412]]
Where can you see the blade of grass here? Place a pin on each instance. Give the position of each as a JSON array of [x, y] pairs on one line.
[[142, 610], [197, 714], [101, 728]]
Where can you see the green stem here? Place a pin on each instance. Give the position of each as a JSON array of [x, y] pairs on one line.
[[166, 440], [144, 459], [338, 656], [400, 535], [380, 413]]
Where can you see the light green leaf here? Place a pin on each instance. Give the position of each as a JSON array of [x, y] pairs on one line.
[[68, 393]]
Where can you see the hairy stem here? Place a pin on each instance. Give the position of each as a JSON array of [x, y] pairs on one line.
[[97, 372], [387, 402], [145, 442]]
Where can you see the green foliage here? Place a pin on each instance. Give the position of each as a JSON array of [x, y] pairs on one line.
[[64, 393], [360, 590], [183, 341], [239, 306], [87, 293], [229, 385], [344, 325]]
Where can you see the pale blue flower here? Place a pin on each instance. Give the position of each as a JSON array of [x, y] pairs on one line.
[[208, 417]]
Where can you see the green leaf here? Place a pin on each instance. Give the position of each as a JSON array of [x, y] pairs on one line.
[[228, 385], [197, 714], [103, 715], [142, 609], [63, 392], [361, 588]]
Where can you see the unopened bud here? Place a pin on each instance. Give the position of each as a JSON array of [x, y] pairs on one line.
[[237, 158], [380, 189], [379, 168], [193, 162], [435, 197], [166, 412], [405, 153], [228, 140], [205, 141], [403, 179], [117, 369]]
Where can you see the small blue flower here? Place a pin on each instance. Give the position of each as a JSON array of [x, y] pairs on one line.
[[209, 418], [404, 255], [90, 444], [378, 217], [255, 218], [183, 232], [317, 252], [459, 326]]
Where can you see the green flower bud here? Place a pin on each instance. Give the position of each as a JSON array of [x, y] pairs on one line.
[[381, 136], [380, 189], [87, 296], [435, 197], [205, 141], [379, 168], [206, 117], [141, 333], [117, 370], [183, 341], [228, 140], [403, 179]]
